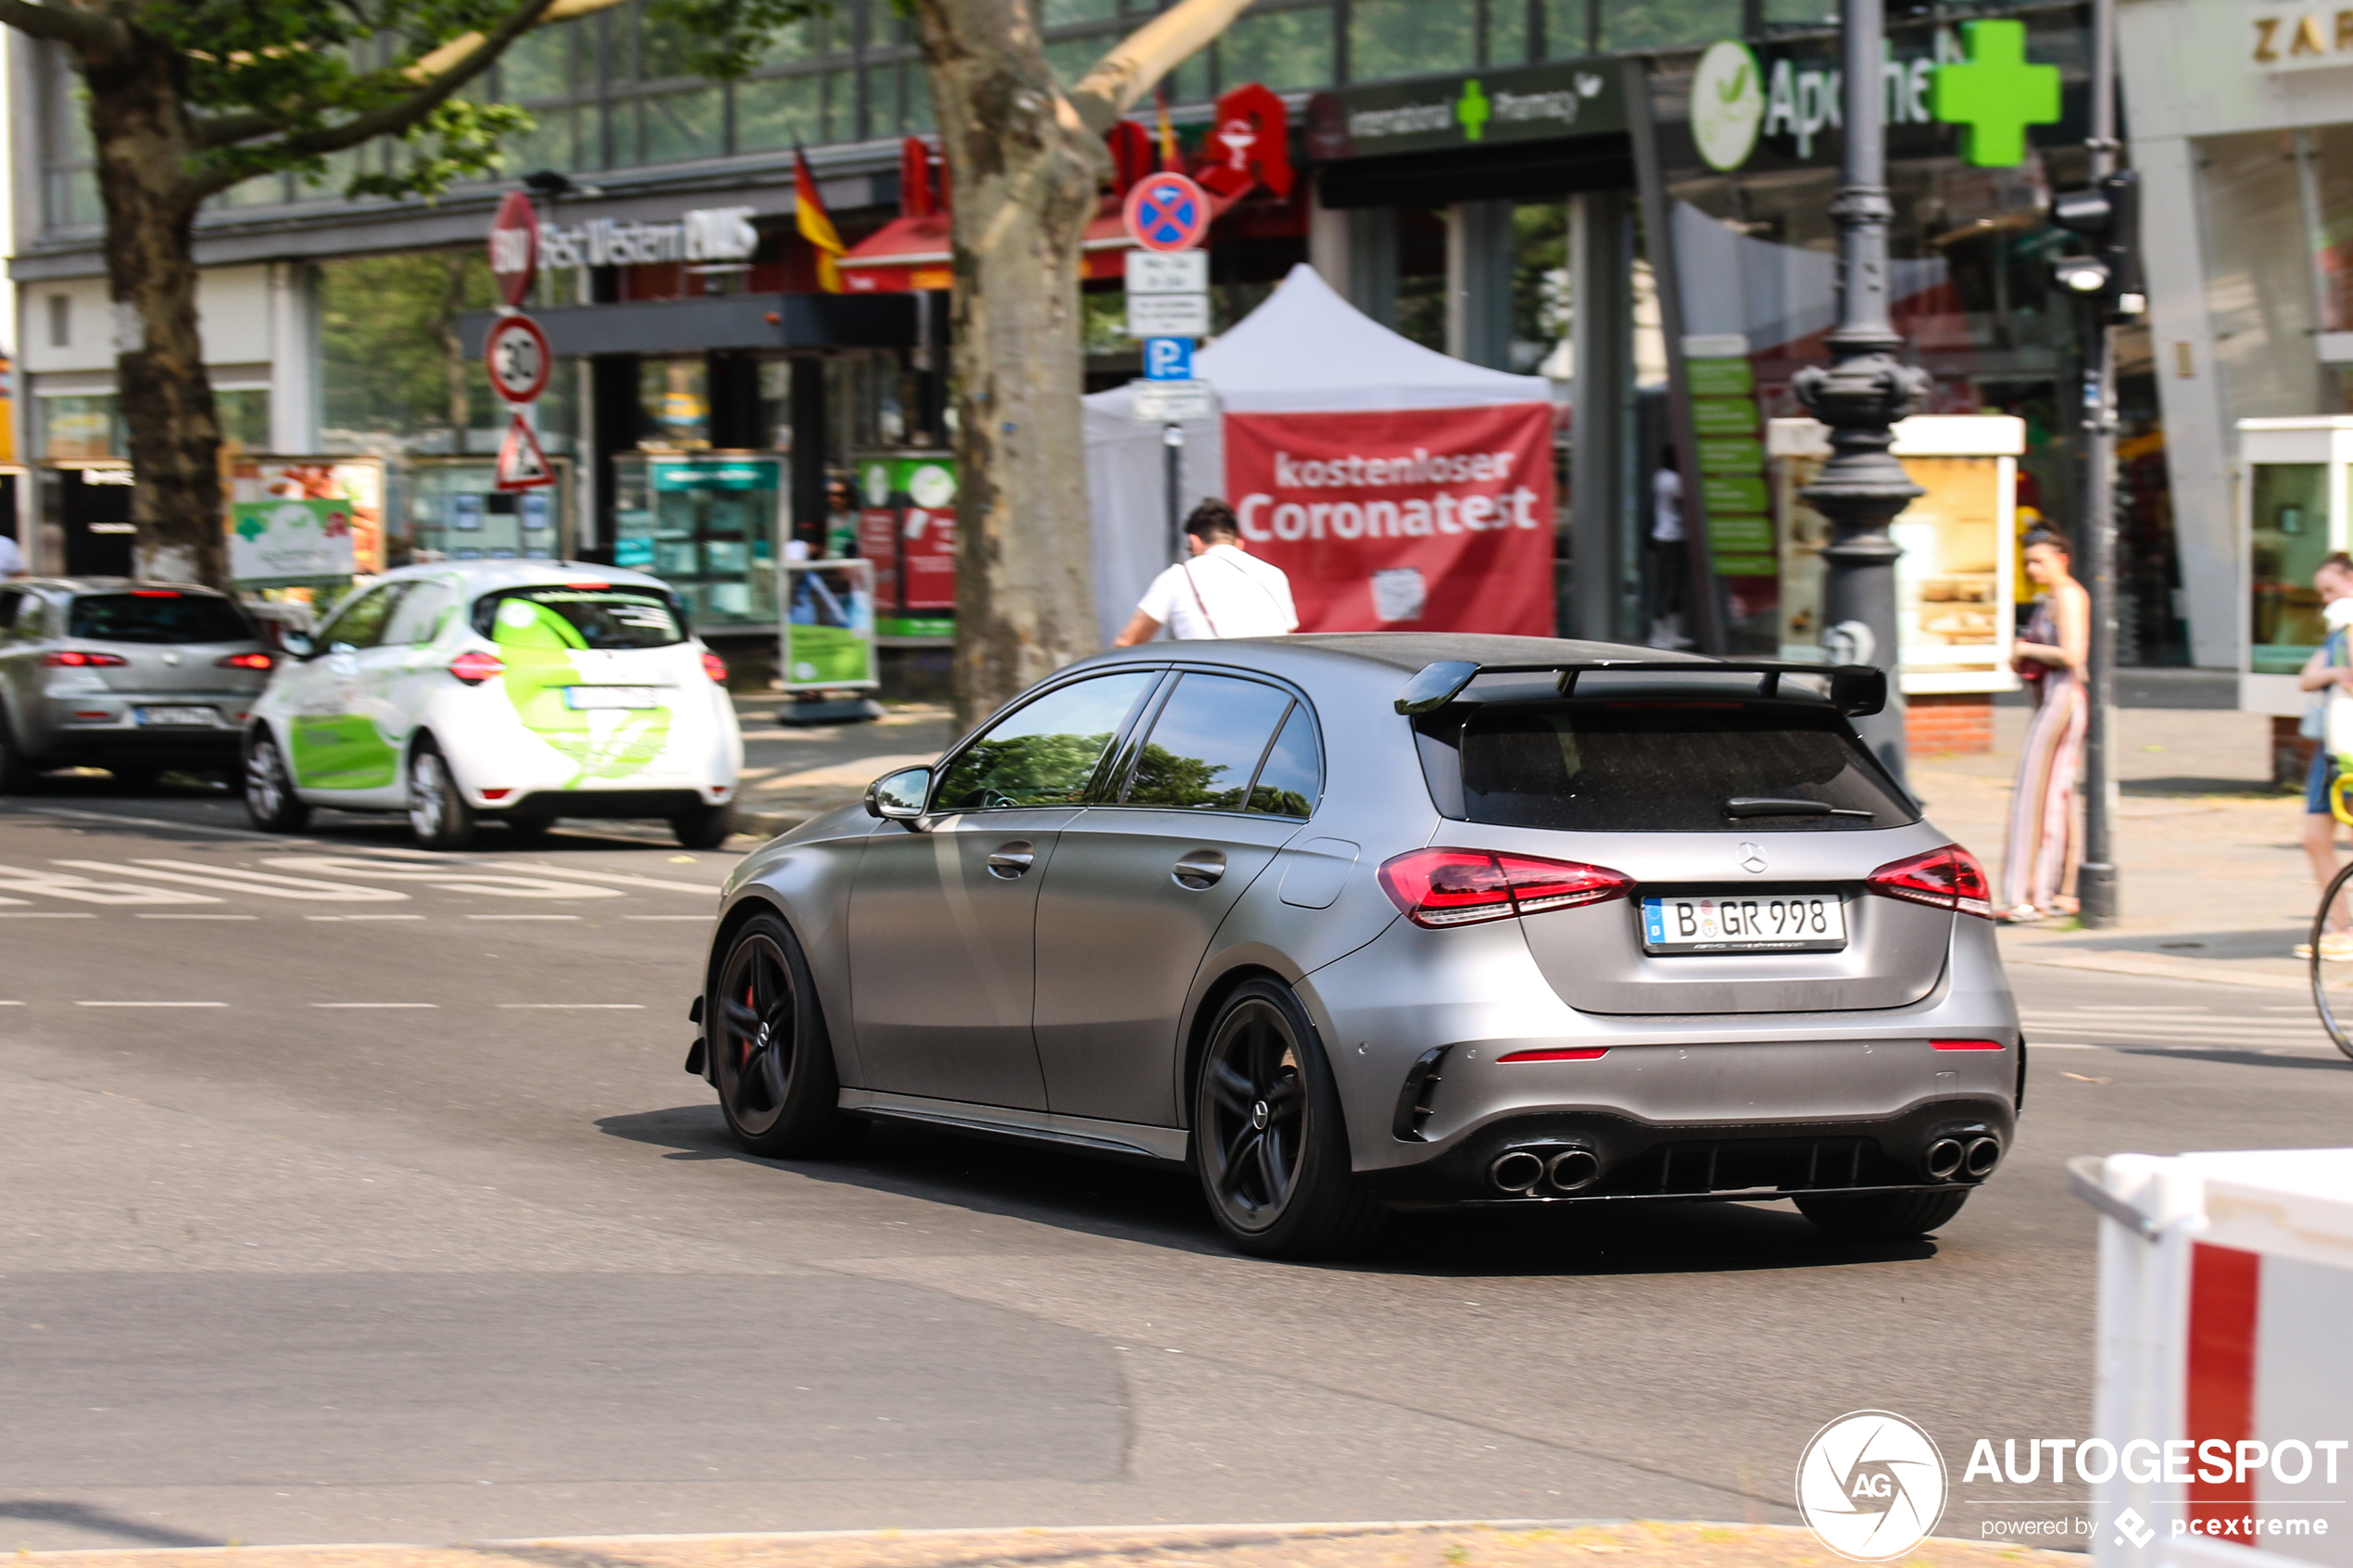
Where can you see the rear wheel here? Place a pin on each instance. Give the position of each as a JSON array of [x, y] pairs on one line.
[[1881, 1216], [770, 1055], [1268, 1137], [438, 815], [703, 827], [270, 802]]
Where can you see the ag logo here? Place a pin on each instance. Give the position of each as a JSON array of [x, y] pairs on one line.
[[1871, 1486], [1728, 105]]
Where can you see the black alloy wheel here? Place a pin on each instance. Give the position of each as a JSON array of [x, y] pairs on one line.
[[771, 1059], [270, 802], [438, 814], [1881, 1216], [1268, 1137]]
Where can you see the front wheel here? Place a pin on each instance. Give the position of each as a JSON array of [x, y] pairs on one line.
[[438, 815], [271, 803], [1881, 1216], [771, 1058], [1268, 1137], [703, 827]]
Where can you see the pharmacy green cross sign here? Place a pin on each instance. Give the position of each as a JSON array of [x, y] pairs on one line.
[[1995, 95]]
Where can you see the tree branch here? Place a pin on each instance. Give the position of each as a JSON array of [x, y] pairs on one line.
[[1120, 79], [83, 29]]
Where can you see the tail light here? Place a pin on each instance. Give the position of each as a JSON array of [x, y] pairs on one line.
[[74, 658], [246, 661], [1965, 1045], [715, 666], [474, 667], [1949, 878], [1443, 888], [1559, 1053]]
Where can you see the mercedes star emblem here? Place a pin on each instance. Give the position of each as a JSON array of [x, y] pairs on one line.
[[1752, 858]]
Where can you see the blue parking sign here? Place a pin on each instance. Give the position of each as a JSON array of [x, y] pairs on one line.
[[1169, 358]]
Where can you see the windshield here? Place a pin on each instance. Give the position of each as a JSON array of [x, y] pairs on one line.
[[1634, 767], [572, 617], [157, 615]]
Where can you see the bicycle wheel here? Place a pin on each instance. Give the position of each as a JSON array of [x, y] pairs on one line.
[[2332, 977]]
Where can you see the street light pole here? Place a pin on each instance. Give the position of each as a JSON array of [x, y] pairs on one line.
[[2096, 878], [1862, 393]]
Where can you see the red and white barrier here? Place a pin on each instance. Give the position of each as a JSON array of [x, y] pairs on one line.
[[2225, 1358]]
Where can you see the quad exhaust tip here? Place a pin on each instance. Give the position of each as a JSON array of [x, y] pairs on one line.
[[1515, 1170], [1945, 1158], [1574, 1169], [1984, 1154]]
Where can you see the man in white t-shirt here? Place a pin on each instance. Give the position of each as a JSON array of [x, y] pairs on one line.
[[1222, 591]]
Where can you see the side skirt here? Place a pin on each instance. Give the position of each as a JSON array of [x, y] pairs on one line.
[[1127, 1138]]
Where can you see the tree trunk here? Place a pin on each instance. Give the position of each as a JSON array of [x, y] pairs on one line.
[[144, 153], [1025, 173]]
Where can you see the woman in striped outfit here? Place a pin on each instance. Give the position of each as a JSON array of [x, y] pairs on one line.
[[2050, 657]]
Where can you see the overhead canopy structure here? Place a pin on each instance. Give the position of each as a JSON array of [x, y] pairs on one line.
[[1306, 350]]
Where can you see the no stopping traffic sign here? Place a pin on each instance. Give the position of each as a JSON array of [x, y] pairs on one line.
[[1167, 211], [516, 354]]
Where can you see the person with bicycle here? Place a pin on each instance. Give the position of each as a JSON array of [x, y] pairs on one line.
[[1222, 591], [2331, 667]]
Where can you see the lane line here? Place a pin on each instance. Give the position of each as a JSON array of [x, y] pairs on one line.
[[197, 916], [44, 914], [576, 1007], [375, 1003], [151, 1004], [363, 917], [526, 917], [704, 917], [621, 879]]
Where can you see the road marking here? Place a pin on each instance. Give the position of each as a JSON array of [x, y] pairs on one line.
[[619, 879], [460, 878], [237, 879], [82, 889], [195, 917], [44, 914], [11, 1004], [375, 1003], [576, 1007], [363, 917], [698, 918], [525, 917], [151, 1004]]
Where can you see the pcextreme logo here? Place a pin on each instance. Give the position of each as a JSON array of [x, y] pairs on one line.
[[1871, 1486]]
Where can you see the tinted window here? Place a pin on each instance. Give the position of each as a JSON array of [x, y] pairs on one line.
[[1293, 776], [360, 623], [556, 616], [156, 615], [1662, 766], [1044, 754], [1204, 747], [10, 598]]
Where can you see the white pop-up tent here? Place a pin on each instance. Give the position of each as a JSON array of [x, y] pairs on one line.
[[1306, 350]]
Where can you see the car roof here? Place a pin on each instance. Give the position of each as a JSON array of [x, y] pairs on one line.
[[487, 576], [1372, 652]]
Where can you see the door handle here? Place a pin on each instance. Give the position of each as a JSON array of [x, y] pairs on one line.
[[1198, 868], [1011, 858]]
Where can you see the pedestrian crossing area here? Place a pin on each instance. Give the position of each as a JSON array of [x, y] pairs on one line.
[[2277, 1028], [380, 885]]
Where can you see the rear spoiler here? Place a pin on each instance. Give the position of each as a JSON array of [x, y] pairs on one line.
[[1855, 690]]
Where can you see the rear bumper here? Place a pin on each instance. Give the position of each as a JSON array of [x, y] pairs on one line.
[[1634, 1157], [603, 803]]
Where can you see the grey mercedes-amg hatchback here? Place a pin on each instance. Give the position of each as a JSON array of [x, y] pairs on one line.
[[1355, 923]]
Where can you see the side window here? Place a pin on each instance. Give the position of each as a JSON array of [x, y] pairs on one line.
[[418, 616], [360, 623], [32, 616], [1291, 779], [11, 600], [1204, 747], [1044, 754]]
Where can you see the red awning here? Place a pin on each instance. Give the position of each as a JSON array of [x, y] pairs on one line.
[[916, 253]]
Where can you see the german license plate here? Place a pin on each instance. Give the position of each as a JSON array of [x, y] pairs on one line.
[[197, 717], [1769, 923], [584, 697]]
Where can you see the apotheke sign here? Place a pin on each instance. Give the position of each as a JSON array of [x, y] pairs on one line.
[[718, 233]]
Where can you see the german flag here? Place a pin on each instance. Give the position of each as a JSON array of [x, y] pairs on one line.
[[816, 225]]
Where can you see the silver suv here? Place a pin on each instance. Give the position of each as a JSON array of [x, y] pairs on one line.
[[133, 677]]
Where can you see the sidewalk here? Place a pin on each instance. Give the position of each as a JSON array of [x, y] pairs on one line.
[[1641, 1543], [2212, 884]]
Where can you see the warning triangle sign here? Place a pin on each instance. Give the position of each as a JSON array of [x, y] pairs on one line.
[[521, 465]]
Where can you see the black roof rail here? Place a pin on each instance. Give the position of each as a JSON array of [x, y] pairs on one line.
[[1855, 690]]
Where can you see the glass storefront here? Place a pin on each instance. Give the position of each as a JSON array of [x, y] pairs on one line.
[[455, 511], [707, 523]]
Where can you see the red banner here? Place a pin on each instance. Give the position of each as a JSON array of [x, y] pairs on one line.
[[1426, 520], [930, 536]]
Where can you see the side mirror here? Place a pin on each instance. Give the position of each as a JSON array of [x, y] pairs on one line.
[[298, 644], [899, 797]]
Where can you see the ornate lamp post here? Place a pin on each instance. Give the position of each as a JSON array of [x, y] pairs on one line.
[[1862, 393]]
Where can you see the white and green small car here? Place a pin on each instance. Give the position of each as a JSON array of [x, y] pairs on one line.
[[510, 691]]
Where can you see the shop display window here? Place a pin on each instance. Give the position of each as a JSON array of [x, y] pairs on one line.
[[2287, 539], [708, 524], [456, 512], [80, 426], [675, 397]]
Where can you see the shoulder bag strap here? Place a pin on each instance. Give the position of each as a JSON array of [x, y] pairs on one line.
[[1199, 603]]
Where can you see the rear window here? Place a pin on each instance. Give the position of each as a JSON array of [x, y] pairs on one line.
[[556, 616], [157, 615], [1657, 766]]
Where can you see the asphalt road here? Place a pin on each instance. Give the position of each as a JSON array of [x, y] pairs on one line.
[[385, 1212]]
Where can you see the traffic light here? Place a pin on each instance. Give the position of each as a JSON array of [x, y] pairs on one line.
[[2108, 214]]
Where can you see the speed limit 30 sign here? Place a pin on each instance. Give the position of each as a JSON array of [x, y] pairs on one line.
[[516, 353]]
